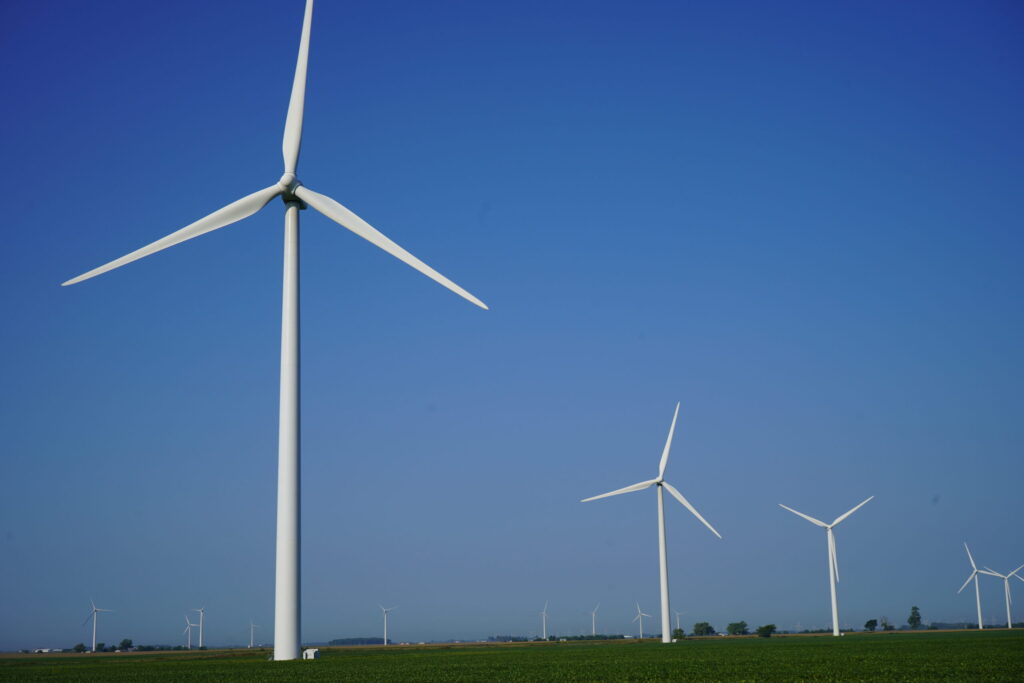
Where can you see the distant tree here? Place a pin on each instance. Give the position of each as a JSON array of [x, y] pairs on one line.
[[766, 631], [80, 647], [126, 644], [737, 628], [703, 628], [914, 620], [871, 624], [886, 626], [678, 634], [100, 646]]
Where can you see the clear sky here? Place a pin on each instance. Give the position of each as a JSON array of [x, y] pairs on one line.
[[800, 219]]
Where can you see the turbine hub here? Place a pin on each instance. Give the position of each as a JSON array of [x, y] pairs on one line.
[[288, 184]]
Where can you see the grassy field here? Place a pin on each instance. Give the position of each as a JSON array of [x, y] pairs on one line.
[[954, 656]]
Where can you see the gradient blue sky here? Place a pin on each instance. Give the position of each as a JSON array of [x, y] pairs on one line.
[[802, 220]]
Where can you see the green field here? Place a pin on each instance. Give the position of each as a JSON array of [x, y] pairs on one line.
[[953, 656]]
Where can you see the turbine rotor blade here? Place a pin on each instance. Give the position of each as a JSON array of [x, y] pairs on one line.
[[88, 618], [1014, 572], [832, 553], [668, 445], [850, 511], [348, 220], [970, 557], [629, 489], [686, 504], [810, 519], [973, 574], [233, 212], [293, 123]]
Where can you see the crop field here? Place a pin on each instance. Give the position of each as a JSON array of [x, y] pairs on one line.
[[953, 656]]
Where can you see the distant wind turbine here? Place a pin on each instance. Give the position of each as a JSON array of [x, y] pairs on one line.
[[593, 620], [296, 196], [640, 616], [677, 620], [544, 621], [252, 627], [188, 629], [666, 636], [1006, 588], [93, 615], [977, 591], [202, 616], [386, 610], [833, 564]]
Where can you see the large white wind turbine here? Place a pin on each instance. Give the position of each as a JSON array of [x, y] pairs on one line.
[[977, 591], [593, 620], [544, 621], [93, 615], [385, 610], [202, 618], [640, 616], [666, 635], [188, 629], [296, 197], [1006, 588], [833, 564]]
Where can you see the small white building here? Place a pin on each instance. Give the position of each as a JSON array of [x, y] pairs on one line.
[[311, 653]]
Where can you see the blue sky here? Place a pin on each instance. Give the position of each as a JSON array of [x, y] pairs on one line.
[[801, 220]]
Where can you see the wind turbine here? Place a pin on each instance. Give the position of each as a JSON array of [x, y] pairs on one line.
[[833, 564], [296, 196], [385, 610], [1006, 588], [93, 615], [252, 627], [544, 621], [640, 616], [666, 636], [977, 591], [202, 615], [677, 620], [593, 620], [188, 630]]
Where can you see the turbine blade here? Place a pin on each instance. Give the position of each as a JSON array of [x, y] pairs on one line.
[[629, 489], [968, 580], [636, 617], [970, 557], [88, 618], [235, 211], [810, 519], [686, 504], [668, 445], [850, 512], [346, 219], [1014, 572], [293, 123], [832, 552]]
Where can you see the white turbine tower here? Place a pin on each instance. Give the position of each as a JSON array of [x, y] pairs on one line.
[[593, 620], [666, 636], [833, 564], [544, 621], [1006, 588], [640, 616], [385, 610], [977, 591], [252, 627], [94, 615], [202, 616], [296, 196], [188, 629]]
